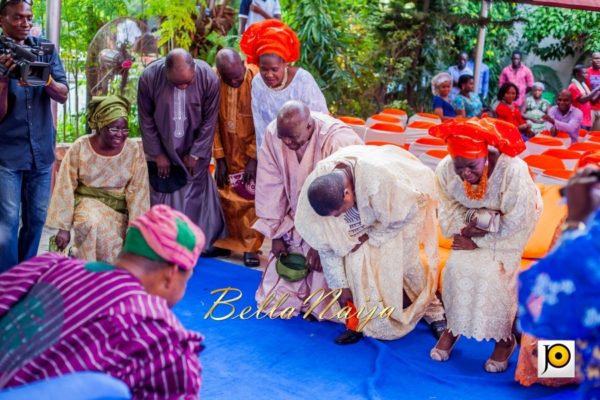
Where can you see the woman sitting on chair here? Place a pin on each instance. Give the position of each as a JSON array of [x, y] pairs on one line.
[[101, 185]]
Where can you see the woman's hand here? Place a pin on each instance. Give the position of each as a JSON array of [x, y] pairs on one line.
[[313, 260], [460, 242], [471, 230], [278, 248], [62, 239]]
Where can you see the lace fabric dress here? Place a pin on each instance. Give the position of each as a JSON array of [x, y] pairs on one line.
[[480, 286], [266, 102]]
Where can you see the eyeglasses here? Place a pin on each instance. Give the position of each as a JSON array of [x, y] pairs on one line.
[[4, 3], [123, 131]]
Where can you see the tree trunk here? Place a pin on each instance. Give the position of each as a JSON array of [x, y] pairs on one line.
[[411, 85]]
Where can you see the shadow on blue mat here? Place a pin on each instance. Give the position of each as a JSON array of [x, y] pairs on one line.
[[296, 359]]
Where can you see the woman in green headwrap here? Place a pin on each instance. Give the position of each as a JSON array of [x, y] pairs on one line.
[[102, 184]]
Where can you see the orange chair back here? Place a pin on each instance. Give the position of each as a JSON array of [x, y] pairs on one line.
[[386, 118], [437, 153], [431, 141], [544, 162], [389, 128], [585, 146], [563, 154], [352, 120], [546, 141], [394, 111], [421, 125]]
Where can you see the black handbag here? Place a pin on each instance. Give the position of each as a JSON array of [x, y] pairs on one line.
[[176, 180]]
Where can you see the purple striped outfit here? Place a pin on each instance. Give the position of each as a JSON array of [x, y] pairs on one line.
[[61, 315]]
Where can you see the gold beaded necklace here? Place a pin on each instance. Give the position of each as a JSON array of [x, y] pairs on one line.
[[479, 193]]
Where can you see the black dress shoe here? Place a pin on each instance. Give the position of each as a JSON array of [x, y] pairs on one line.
[[438, 327], [251, 260], [212, 251], [349, 337]]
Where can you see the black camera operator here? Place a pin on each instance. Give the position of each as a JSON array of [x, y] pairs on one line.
[[27, 138]]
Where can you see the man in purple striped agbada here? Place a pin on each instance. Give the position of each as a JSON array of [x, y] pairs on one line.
[[60, 315]]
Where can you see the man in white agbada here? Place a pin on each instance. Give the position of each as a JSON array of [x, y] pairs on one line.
[[369, 210]]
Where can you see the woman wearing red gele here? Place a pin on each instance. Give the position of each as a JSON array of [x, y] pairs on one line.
[[489, 206]]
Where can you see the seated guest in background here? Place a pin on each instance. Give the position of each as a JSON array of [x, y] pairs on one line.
[[558, 296], [583, 96], [272, 45], [456, 71], [440, 87], [467, 103], [507, 110], [535, 107], [480, 277], [368, 210], [61, 315], [294, 144], [235, 152], [101, 185], [563, 117]]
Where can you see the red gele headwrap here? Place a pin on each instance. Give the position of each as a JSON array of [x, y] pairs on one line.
[[470, 138], [270, 36], [589, 158]]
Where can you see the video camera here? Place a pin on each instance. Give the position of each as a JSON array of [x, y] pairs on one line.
[[27, 68]]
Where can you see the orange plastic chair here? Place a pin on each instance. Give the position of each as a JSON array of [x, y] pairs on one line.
[[390, 128], [352, 120], [559, 173], [559, 135], [428, 115], [543, 162], [394, 111], [378, 143], [584, 146], [421, 125], [594, 134], [430, 141], [562, 154], [546, 141], [582, 133], [594, 139], [437, 153], [386, 118]]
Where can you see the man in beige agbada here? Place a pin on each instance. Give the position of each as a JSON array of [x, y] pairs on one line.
[[369, 210], [291, 148]]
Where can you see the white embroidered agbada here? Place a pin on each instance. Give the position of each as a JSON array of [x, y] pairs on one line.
[[395, 204], [480, 286], [279, 179]]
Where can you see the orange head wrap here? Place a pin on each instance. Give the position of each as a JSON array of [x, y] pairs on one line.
[[470, 138], [589, 158], [270, 36]]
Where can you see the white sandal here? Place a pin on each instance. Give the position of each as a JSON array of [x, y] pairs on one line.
[[442, 355]]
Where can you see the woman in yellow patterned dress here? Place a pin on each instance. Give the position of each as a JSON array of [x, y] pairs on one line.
[[101, 185]]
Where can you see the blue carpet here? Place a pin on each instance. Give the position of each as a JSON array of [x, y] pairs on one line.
[[296, 359]]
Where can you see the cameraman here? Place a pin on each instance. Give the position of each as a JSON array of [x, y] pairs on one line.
[[27, 138]]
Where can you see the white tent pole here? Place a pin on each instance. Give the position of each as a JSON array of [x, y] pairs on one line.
[[53, 35], [485, 7]]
